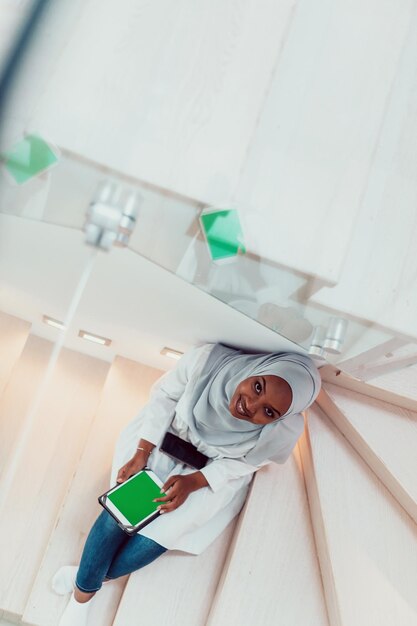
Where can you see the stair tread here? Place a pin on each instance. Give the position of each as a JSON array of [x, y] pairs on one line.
[[366, 541], [379, 276], [225, 37], [15, 402], [180, 585], [13, 333], [57, 438], [126, 389], [273, 557], [403, 381], [385, 435]]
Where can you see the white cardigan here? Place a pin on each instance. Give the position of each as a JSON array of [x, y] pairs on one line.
[[205, 514]]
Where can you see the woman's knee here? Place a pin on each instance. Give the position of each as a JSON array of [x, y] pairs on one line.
[[105, 528], [106, 523], [135, 554]]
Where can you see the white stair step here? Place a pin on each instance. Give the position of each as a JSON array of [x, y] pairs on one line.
[[177, 589], [5, 622], [320, 125], [400, 393], [272, 575], [383, 434], [17, 397], [125, 391], [367, 544], [177, 124], [49, 459], [13, 336], [378, 282], [372, 354], [402, 381], [367, 364]]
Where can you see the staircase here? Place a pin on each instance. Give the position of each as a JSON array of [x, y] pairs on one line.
[[327, 539]]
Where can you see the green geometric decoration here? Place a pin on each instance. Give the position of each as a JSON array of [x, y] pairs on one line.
[[28, 158], [223, 233]]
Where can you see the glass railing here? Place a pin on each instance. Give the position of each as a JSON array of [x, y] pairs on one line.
[[170, 231]]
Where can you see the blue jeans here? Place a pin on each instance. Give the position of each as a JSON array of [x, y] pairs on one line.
[[109, 553]]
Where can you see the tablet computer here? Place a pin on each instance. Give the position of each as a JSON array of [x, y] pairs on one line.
[[131, 503]]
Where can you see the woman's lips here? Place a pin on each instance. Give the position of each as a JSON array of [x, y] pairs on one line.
[[239, 407]]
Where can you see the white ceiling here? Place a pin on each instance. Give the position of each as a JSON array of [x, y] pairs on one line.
[[138, 305]]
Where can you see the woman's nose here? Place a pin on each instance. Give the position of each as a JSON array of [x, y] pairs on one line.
[[251, 405]]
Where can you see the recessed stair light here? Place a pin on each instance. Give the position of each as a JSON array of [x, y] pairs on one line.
[[52, 322], [104, 341], [173, 354]]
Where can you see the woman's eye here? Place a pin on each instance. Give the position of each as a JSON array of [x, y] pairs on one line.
[[269, 412], [258, 387]]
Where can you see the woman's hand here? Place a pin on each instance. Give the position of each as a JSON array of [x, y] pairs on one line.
[[136, 463], [178, 488]]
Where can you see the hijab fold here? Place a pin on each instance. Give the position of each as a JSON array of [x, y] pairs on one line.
[[207, 411]]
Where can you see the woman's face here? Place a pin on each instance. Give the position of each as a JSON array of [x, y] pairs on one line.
[[261, 399]]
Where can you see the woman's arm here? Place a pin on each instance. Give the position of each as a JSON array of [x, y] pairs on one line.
[[276, 446], [219, 471], [157, 415], [215, 475], [137, 462]]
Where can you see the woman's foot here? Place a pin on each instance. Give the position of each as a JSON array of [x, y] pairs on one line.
[[64, 580], [75, 614]]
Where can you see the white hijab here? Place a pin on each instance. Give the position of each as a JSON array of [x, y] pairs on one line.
[[209, 417]]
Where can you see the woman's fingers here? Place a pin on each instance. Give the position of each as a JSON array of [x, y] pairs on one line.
[[170, 492], [177, 490], [163, 499], [173, 499], [170, 506], [170, 482], [121, 475], [129, 469]]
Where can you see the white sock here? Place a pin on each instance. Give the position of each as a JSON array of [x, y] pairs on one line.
[[64, 580], [75, 614]]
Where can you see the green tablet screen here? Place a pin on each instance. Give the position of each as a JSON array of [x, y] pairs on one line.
[[134, 498]]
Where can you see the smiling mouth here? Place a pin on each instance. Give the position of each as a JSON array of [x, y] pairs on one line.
[[240, 408]]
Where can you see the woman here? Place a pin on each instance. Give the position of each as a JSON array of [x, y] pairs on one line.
[[242, 411]]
